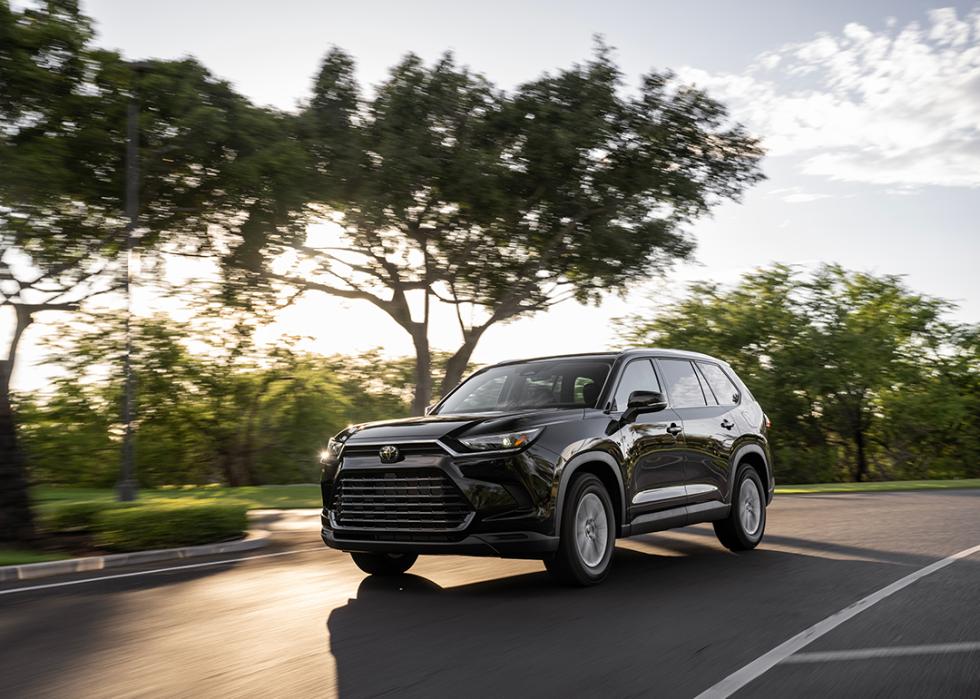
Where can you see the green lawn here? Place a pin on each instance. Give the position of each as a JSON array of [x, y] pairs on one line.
[[16, 557], [878, 486], [275, 496]]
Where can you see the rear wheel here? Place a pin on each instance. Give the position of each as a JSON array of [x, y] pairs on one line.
[[743, 528], [384, 563], [587, 535]]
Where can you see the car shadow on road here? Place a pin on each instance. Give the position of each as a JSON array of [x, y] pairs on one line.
[[866, 552], [668, 624]]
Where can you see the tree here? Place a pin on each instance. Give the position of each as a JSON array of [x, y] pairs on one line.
[[41, 70], [836, 358], [228, 411], [207, 154], [448, 190]]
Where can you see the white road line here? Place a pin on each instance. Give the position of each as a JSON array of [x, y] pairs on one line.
[[134, 574], [885, 652], [763, 663]]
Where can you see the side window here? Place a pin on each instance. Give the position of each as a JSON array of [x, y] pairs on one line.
[[683, 387], [637, 376], [708, 395], [722, 386]]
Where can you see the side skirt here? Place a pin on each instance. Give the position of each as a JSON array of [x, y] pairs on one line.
[[677, 517]]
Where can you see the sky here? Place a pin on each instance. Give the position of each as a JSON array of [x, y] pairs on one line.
[[869, 111]]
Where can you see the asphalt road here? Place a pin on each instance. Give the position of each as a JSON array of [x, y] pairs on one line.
[[678, 614]]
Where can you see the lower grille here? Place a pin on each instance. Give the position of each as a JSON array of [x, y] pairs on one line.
[[399, 500]]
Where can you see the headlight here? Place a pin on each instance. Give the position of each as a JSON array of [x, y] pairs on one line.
[[500, 442], [334, 447]]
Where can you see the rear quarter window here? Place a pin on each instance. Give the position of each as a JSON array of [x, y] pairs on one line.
[[721, 385]]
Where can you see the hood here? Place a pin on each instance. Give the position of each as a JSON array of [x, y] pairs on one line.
[[433, 427]]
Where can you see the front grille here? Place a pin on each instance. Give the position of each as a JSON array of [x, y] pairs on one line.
[[405, 449], [399, 500]]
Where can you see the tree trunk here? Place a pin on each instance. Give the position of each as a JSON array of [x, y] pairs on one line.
[[232, 467], [423, 372], [458, 362], [862, 457], [16, 519]]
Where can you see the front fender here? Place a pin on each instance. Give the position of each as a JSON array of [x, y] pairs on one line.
[[567, 471]]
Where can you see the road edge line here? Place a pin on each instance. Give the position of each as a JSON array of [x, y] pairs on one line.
[[740, 678]]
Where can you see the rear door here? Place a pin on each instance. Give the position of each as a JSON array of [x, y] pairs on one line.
[[652, 445], [709, 429]]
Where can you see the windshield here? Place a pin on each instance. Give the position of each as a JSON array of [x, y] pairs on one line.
[[552, 383]]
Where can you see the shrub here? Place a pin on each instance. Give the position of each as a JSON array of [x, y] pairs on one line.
[[166, 523], [76, 516]]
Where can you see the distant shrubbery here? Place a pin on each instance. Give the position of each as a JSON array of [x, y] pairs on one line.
[[163, 524], [138, 526], [235, 414], [76, 516]]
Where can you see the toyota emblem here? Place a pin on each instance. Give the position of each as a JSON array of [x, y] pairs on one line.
[[389, 454]]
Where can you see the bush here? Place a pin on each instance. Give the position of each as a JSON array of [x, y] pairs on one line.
[[167, 523], [76, 516]]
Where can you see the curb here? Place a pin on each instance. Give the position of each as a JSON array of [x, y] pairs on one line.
[[301, 519], [256, 538]]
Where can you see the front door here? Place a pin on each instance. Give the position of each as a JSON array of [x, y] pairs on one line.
[[652, 445]]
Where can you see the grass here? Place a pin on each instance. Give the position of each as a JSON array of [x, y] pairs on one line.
[[260, 496], [878, 486], [16, 557]]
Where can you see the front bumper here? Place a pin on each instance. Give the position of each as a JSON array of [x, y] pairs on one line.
[[502, 545], [510, 503]]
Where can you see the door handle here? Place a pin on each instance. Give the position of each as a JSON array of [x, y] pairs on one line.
[[675, 429], [727, 424]]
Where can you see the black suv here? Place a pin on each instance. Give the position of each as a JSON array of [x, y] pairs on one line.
[[553, 459]]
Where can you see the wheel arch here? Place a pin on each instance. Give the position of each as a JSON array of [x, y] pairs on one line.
[[604, 467], [754, 456]]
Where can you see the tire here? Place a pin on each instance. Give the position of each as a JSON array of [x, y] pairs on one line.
[[384, 563], [742, 530], [587, 535]]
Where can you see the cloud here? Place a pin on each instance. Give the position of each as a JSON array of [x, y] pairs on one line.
[[897, 107], [796, 195]]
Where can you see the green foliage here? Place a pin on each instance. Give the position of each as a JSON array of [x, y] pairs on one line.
[[16, 557], [79, 515], [861, 376], [255, 496], [229, 412], [207, 156], [498, 203], [164, 524]]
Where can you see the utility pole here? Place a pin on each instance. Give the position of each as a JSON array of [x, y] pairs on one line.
[[127, 487]]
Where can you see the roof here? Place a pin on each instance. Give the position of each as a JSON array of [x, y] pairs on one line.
[[635, 351]]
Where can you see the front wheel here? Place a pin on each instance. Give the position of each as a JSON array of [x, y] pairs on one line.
[[743, 528], [587, 535], [384, 563]]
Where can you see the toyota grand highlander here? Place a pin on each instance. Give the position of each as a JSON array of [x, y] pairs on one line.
[[554, 459]]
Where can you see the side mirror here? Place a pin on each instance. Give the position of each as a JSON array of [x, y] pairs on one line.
[[429, 408], [644, 402]]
